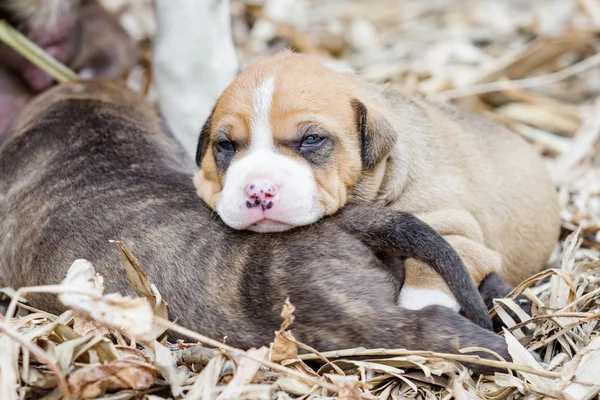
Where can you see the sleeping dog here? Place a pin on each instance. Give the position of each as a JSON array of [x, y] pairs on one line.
[[291, 141], [88, 162]]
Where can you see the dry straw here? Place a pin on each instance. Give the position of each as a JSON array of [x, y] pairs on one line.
[[85, 353]]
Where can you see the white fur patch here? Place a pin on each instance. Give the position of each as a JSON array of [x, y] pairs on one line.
[[188, 83], [414, 298], [294, 204], [262, 134]]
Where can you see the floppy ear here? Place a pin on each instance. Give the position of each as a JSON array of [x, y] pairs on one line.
[[204, 139], [377, 136]]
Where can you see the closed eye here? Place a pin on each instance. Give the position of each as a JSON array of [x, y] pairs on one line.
[[225, 146]]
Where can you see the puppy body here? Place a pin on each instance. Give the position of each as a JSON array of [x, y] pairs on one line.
[[87, 162], [319, 139]]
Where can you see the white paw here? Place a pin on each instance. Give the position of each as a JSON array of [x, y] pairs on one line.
[[414, 298]]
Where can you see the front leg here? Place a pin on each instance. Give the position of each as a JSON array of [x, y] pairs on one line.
[[423, 286], [194, 60]]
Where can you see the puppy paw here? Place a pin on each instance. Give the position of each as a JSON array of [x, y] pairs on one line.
[[414, 298]]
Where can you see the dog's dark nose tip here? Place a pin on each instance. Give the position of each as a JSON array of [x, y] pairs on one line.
[[260, 194]]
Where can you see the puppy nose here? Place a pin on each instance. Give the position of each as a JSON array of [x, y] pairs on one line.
[[260, 194]]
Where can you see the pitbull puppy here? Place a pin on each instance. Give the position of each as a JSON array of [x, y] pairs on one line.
[[87, 162], [291, 141], [79, 33]]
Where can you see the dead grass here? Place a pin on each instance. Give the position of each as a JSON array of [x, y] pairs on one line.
[[107, 344], [532, 65]]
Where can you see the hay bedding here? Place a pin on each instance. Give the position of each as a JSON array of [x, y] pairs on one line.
[[532, 65]]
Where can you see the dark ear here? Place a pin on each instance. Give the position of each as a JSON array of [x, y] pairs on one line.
[[377, 136], [204, 139]]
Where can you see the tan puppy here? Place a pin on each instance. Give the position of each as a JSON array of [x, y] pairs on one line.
[[291, 141]]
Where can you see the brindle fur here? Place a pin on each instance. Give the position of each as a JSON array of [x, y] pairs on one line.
[[88, 162]]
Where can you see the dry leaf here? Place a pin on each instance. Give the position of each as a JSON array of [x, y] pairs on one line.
[[91, 382], [246, 371], [9, 368], [208, 379], [85, 326], [586, 367], [38, 378], [140, 282], [293, 386], [287, 313], [520, 355], [129, 315], [284, 346], [166, 363]]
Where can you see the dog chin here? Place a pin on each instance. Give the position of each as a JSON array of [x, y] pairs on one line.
[[269, 226]]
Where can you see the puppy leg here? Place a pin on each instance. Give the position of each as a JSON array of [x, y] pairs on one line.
[[194, 60], [423, 287], [493, 287]]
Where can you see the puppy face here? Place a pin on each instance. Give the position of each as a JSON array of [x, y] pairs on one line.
[[284, 145]]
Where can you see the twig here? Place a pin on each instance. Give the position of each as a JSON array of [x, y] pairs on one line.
[[467, 359], [41, 356], [543, 80], [214, 343], [561, 332], [584, 298], [40, 289], [36, 55], [584, 318], [315, 351]]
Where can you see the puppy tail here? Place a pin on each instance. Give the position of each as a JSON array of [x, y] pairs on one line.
[[402, 234]]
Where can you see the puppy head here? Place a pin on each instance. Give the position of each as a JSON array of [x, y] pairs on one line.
[[285, 145]]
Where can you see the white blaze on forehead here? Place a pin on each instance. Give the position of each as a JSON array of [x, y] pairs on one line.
[[262, 135]]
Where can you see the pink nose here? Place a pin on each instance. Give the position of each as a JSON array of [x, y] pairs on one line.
[[260, 194]]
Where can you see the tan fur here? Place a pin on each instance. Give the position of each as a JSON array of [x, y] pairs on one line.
[[482, 187]]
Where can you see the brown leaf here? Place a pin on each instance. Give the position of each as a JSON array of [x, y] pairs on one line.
[[349, 389], [283, 348], [287, 314], [94, 381], [140, 282], [132, 354], [132, 316], [83, 326]]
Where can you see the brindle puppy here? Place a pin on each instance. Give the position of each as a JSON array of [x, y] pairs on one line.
[[88, 162]]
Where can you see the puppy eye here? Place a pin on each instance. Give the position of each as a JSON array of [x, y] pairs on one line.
[[312, 140], [225, 146]]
